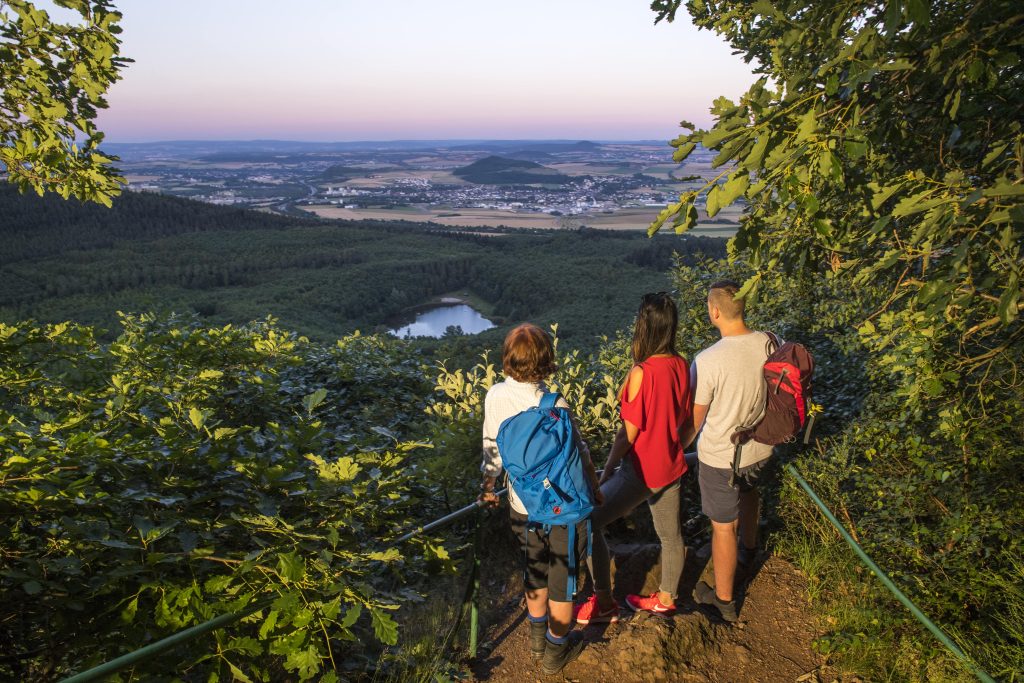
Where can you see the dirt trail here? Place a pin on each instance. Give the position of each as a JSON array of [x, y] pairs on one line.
[[771, 642]]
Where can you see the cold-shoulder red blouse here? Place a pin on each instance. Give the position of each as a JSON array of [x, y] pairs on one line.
[[658, 410]]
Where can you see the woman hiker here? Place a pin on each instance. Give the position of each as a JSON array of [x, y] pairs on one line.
[[646, 460]]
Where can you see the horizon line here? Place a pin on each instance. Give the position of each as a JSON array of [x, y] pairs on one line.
[[393, 140]]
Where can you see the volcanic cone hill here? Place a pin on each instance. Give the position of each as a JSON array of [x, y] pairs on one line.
[[495, 170]]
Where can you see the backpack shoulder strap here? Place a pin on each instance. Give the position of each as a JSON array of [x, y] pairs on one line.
[[773, 343], [549, 399]]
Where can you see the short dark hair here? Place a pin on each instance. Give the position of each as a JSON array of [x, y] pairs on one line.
[[528, 354], [723, 295], [655, 328]]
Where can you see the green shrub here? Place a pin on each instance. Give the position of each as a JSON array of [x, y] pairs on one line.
[[185, 472]]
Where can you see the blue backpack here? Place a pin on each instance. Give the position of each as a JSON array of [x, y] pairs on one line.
[[539, 452]]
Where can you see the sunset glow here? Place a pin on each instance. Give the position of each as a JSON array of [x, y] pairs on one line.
[[329, 70]]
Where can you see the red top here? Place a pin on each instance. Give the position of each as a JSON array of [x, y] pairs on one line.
[[658, 410]]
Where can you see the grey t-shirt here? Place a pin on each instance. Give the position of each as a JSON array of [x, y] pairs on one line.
[[731, 382]]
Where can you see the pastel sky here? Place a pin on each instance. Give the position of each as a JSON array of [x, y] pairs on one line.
[[335, 70]]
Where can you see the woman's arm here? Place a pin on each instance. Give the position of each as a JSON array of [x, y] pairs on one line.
[[588, 462], [626, 436]]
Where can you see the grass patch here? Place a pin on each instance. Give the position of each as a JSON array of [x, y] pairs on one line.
[[867, 631]]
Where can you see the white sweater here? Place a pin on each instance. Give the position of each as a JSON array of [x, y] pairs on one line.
[[504, 400]]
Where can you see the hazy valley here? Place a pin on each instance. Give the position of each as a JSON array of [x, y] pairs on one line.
[[525, 184]]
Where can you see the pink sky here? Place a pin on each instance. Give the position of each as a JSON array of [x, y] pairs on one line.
[[350, 70]]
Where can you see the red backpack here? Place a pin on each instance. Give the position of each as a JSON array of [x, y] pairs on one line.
[[787, 383]]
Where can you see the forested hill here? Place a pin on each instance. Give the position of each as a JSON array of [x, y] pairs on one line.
[[33, 227], [495, 170], [62, 260]]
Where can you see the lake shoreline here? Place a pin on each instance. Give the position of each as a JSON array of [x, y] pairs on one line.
[[447, 310]]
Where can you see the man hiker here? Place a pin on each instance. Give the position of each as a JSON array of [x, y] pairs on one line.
[[727, 383]]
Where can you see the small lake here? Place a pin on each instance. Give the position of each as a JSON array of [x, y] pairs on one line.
[[432, 322]]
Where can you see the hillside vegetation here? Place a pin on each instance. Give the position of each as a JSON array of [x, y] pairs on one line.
[[881, 152], [68, 261]]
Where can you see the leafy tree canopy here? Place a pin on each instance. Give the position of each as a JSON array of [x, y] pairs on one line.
[[882, 144], [881, 157], [53, 77]]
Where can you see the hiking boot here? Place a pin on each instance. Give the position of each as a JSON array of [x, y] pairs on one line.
[[651, 603], [557, 656], [705, 595], [590, 612], [538, 639]]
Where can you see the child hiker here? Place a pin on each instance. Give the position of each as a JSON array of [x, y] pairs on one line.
[[646, 460], [533, 436]]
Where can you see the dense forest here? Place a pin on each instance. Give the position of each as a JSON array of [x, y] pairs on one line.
[[495, 170], [64, 260]]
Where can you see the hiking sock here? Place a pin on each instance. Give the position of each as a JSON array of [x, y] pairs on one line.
[[555, 640], [538, 635]]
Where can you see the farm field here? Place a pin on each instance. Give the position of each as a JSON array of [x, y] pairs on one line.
[[725, 225]]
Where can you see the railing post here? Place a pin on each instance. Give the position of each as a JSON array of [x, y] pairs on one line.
[[474, 609]]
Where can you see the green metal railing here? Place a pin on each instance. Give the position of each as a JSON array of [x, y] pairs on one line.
[[149, 651], [884, 578], [471, 595], [153, 649]]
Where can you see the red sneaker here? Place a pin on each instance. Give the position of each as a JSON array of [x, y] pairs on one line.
[[589, 613], [651, 603]]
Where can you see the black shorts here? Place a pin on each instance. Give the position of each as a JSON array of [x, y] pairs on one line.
[[719, 501], [546, 555]]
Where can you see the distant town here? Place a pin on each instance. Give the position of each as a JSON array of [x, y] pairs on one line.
[[539, 184]]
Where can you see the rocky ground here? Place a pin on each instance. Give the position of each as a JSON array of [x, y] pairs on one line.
[[771, 642]]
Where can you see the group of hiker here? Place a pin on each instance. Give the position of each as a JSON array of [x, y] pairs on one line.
[[559, 506]]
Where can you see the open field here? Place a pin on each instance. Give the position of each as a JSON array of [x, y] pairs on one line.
[[593, 168], [627, 219], [435, 176], [466, 217]]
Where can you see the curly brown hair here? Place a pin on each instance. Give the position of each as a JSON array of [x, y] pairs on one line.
[[527, 354]]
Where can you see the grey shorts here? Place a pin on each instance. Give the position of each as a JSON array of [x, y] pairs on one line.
[[719, 501]]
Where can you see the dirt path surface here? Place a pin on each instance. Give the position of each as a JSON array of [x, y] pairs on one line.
[[771, 642]]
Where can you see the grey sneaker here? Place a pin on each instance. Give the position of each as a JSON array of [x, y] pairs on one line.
[[538, 639], [705, 595], [557, 656]]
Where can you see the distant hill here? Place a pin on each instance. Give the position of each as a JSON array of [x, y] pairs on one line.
[[530, 155], [503, 146], [494, 170], [549, 147]]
